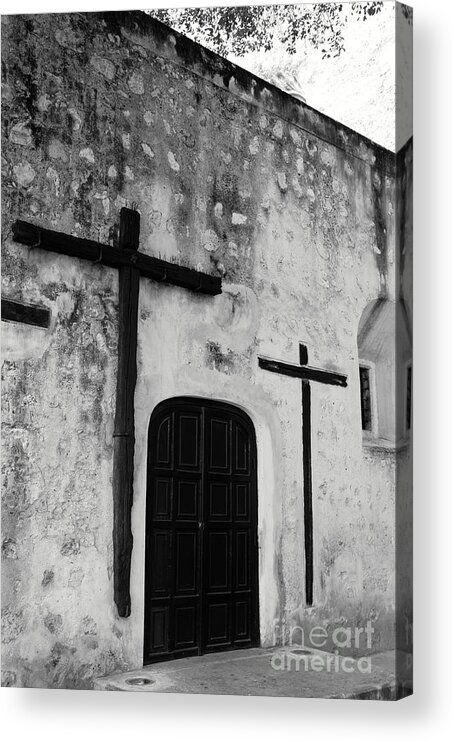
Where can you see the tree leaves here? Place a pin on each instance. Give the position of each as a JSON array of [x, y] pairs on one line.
[[251, 28]]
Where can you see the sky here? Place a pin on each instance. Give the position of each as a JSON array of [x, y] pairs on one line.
[[357, 87]]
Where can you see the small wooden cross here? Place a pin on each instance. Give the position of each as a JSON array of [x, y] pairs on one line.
[[131, 265], [306, 374]]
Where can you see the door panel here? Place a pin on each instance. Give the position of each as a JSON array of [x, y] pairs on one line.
[[218, 562], [241, 448], [188, 437], [159, 628], [219, 501], [219, 445], [241, 566], [241, 501], [162, 500], [185, 627], [218, 625], [163, 443], [201, 586], [187, 505], [186, 548], [161, 579]]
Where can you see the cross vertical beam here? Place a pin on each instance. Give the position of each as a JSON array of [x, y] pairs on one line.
[[307, 481], [123, 451]]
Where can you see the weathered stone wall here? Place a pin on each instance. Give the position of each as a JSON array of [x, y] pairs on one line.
[[231, 176]]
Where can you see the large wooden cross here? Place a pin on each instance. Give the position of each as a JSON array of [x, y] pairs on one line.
[[306, 374], [131, 265]]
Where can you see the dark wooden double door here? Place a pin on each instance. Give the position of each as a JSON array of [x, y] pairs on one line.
[[201, 582]]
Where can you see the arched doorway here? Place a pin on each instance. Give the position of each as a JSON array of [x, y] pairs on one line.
[[201, 571]]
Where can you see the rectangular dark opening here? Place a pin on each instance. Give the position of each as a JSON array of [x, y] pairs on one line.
[[408, 402], [366, 407], [13, 311], [307, 485]]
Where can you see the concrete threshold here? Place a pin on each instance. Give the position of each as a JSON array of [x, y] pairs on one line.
[[279, 672]]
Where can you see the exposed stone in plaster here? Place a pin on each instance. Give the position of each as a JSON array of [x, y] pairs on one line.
[[278, 129], [53, 622], [9, 679], [24, 174], [254, 146], [265, 203], [218, 210], [87, 154], [48, 577], [21, 134], [53, 176], [136, 84], [311, 147], [238, 219], [282, 181], [172, 162], [13, 623], [57, 150], [104, 66], [70, 39], [9, 548], [210, 241], [43, 103], [70, 547], [147, 150], [221, 361], [88, 625], [76, 117]]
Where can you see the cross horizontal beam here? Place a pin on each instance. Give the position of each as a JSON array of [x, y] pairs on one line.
[[115, 257], [303, 372], [14, 311]]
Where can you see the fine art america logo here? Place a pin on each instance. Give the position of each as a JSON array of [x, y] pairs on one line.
[[299, 655]]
